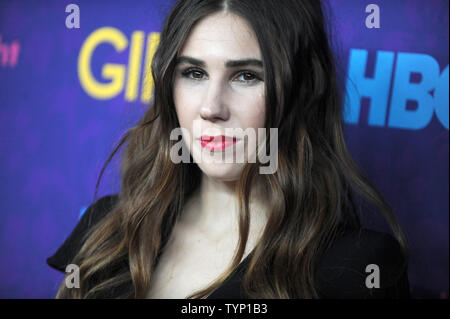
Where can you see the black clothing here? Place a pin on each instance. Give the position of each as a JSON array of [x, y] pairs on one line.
[[341, 273]]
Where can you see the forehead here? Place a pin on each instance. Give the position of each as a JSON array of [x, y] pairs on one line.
[[221, 35]]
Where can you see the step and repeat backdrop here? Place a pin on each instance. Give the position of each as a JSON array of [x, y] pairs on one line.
[[73, 79]]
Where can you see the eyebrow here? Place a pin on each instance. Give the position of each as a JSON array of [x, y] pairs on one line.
[[228, 63]]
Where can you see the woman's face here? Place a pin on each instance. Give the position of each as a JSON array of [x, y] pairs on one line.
[[218, 87]]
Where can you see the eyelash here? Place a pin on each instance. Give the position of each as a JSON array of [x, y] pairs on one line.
[[189, 71]]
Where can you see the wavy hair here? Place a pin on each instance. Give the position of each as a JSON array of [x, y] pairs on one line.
[[312, 194]]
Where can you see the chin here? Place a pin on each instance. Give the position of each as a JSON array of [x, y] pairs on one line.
[[225, 172]]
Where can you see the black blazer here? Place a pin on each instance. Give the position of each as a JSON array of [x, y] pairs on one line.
[[341, 273]]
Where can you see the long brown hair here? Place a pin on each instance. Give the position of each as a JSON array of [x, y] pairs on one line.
[[312, 193]]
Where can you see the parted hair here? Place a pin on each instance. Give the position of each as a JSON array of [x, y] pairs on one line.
[[312, 194]]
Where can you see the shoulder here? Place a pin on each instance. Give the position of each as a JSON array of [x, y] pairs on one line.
[[72, 244], [96, 211], [363, 263]]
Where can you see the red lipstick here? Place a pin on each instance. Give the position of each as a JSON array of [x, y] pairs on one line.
[[217, 143]]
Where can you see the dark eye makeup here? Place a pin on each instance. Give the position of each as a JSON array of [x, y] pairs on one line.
[[196, 75]]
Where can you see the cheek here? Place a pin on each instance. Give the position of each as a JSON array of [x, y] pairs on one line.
[[184, 107], [252, 111]]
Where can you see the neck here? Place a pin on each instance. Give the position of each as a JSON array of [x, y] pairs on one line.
[[214, 209]]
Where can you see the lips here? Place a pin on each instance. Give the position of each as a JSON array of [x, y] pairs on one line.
[[218, 142]]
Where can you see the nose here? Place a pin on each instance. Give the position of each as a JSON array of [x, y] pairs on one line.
[[214, 106]]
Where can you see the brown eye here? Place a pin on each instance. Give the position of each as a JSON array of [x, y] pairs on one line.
[[193, 74], [248, 76], [196, 74]]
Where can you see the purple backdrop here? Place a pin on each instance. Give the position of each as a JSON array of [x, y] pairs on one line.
[[58, 126]]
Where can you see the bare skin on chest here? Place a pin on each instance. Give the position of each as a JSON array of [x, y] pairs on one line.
[[191, 261], [201, 246]]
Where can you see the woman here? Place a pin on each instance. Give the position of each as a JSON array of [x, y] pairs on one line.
[[179, 229]]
